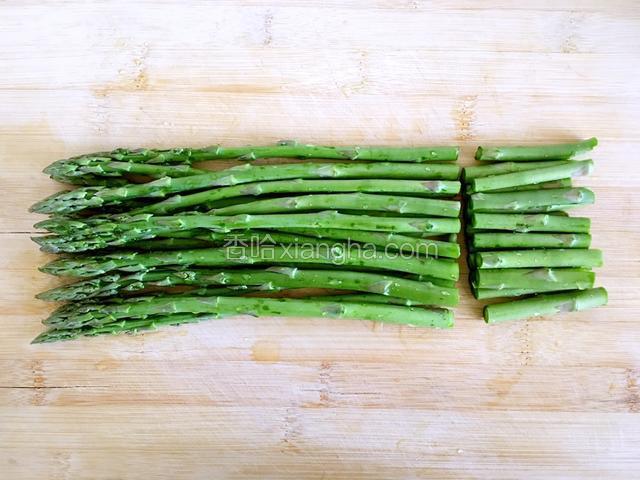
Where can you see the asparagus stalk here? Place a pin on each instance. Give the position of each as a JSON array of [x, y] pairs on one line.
[[438, 318], [92, 234], [561, 151], [351, 201], [529, 223], [153, 322], [95, 315], [486, 293], [560, 198], [269, 279], [96, 197], [530, 240], [124, 326], [169, 244], [548, 304], [562, 183], [538, 279], [210, 198], [479, 171], [558, 257], [88, 169], [538, 175], [368, 298], [336, 255], [283, 149], [391, 241]]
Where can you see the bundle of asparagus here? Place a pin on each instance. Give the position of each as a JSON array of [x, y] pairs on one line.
[[372, 232], [521, 241]]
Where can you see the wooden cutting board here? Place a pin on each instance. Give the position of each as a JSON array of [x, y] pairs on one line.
[[274, 398]]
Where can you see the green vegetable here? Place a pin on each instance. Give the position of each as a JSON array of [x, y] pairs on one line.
[[232, 256], [562, 183], [98, 197], [538, 175], [95, 315], [538, 279], [530, 240], [561, 151], [529, 222], [479, 171], [272, 278], [546, 304], [391, 241], [556, 199], [352, 201], [558, 257], [92, 234]]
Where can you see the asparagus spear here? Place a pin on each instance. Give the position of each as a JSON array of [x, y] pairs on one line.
[[155, 321], [558, 257], [96, 197], [486, 293], [547, 304], [562, 183], [89, 168], [351, 201], [123, 326], [209, 198], [368, 298], [169, 244], [92, 234], [479, 171], [529, 223], [538, 175], [539, 279], [273, 277], [561, 151], [391, 241], [530, 240], [438, 318], [232, 256], [560, 198], [90, 314], [283, 149]]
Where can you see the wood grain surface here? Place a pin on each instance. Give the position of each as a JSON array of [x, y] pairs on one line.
[[291, 399]]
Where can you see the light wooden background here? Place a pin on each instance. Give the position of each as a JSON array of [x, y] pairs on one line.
[[293, 399]]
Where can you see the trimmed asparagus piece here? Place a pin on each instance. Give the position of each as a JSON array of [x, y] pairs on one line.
[[547, 304], [558, 257], [479, 171], [269, 279], [92, 234], [232, 256], [562, 183], [561, 151], [352, 201], [391, 241], [539, 279], [529, 223], [94, 315], [530, 240], [96, 197], [539, 175], [557, 199], [486, 293]]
